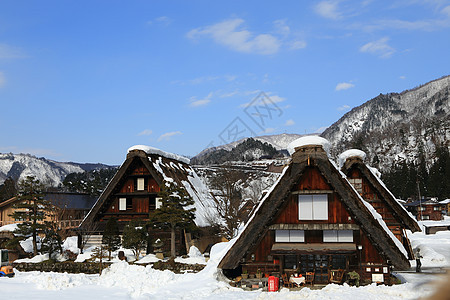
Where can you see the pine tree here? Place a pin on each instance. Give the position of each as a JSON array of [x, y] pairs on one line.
[[52, 241], [176, 211], [111, 238], [134, 237], [32, 210]]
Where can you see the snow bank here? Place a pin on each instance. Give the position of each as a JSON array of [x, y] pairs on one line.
[[351, 153], [71, 244], [309, 140], [123, 281], [27, 245], [152, 150], [195, 257], [37, 259]]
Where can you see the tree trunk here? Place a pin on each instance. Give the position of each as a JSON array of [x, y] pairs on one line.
[[34, 228], [172, 242]]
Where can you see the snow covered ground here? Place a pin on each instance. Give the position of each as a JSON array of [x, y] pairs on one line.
[[124, 281]]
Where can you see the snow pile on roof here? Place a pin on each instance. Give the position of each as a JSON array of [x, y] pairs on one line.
[[9, 227], [310, 140], [351, 153], [152, 150], [197, 189], [446, 201]]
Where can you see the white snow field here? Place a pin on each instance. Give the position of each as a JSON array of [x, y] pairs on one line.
[[124, 281]]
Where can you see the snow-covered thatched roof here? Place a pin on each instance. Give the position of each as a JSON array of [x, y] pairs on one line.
[[314, 154], [164, 167]]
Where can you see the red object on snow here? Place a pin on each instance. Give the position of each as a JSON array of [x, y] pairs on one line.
[[273, 283]]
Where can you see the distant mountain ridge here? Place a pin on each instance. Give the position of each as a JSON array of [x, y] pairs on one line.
[[278, 142], [397, 127], [49, 172]]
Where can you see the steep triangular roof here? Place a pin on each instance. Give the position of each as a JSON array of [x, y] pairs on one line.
[[362, 212], [163, 167], [354, 158]]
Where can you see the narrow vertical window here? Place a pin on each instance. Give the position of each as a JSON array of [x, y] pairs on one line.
[[122, 203], [140, 184]]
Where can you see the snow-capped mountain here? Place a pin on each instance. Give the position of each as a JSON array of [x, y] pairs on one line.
[[278, 141], [397, 126], [49, 172]]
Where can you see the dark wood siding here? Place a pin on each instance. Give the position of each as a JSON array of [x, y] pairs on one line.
[[139, 200]]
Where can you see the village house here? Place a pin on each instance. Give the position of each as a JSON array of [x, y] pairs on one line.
[[426, 209], [133, 194], [445, 206], [313, 220], [68, 209], [367, 183]]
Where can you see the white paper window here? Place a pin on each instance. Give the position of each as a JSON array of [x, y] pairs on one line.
[[345, 236], [313, 207], [282, 236], [140, 184], [330, 236], [289, 236], [296, 236], [122, 203], [158, 203], [305, 206], [337, 236], [320, 207]]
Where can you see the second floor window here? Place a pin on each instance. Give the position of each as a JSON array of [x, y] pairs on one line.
[[313, 207], [140, 186]]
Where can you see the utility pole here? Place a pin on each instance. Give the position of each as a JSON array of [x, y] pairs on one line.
[[420, 200]]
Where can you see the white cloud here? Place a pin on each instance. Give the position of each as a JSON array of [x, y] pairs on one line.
[[402, 77], [9, 52], [163, 20], [328, 9], [168, 135], [298, 44], [281, 27], [446, 11], [343, 107], [230, 34], [145, 132], [344, 86], [2, 79], [228, 95], [379, 48], [269, 130], [289, 123], [264, 99], [200, 102]]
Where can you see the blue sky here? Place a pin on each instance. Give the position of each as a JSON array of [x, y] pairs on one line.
[[84, 80]]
